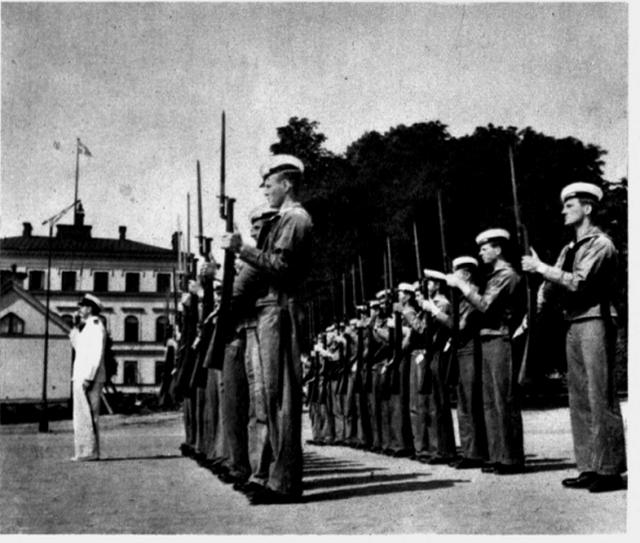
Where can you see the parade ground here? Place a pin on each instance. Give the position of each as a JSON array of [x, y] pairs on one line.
[[144, 486]]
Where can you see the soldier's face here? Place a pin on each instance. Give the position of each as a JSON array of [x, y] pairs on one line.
[[255, 229], [432, 287], [573, 211], [275, 190], [489, 253]]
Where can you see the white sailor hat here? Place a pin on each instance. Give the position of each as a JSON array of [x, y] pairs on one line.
[[262, 211], [416, 286], [381, 294], [330, 328], [374, 304], [492, 233], [281, 163], [581, 189], [464, 261], [406, 287], [353, 322], [361, 307], [91, 301]]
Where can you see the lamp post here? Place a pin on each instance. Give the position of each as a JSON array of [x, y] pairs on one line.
[[43, 425]]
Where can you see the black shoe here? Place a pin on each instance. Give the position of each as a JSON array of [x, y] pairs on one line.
[[607, 483], [423, 458], [402, 453], [375, 449], [508, 469], [439, 460], [584, 480], [248, 487], [468, 463], [266, 496], [186, 450], [488, 467], [227, 478]]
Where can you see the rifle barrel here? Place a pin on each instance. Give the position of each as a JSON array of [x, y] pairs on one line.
[[362, 295], [416, 245]]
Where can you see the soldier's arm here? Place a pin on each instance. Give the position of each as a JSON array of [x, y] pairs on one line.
[[280, 261], [495, 286], [599, 252]]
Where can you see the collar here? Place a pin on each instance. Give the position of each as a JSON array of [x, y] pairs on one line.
[[590, 233], [288, 206]]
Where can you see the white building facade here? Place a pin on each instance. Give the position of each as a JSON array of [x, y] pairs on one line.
[[134, 281]]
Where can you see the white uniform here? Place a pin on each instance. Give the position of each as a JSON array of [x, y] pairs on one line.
[[89, 345]]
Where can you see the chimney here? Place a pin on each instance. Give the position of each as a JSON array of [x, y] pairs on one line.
[[27, 229], [79, 216], [174, 242], [123, 232]]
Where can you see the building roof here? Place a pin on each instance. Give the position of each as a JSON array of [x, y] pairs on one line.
[[11, 287], [120, 249]]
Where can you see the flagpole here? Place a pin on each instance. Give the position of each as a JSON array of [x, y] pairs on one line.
[[75, 199]]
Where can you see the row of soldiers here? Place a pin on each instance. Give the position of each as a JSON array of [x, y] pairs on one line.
[[382, 381], [243, 405]]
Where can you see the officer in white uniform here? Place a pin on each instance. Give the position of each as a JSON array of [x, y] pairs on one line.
[[88, 341]]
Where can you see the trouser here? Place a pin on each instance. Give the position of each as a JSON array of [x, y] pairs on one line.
[[502, 414], [419, 403], [337, 402], [215, 443], [374, 397], [327, 428], [259, 446], [473, 434], [189, 419], [363, 423], [315, 416], [281, 375], [86, 412], [440, 426], [350, 410], [399, 420], [235, 406], [596, 420], [199, 399]]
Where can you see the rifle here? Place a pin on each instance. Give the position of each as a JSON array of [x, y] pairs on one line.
[[215, 354], [199, 376], [451, 374], [523, 240], [416, 247]]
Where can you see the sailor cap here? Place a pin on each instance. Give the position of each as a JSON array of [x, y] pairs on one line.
[[406, 287], [492, 233], [464, 261], [374, 303], [91, 301], [576, 190], [330, 328], [353, 322], [263, 211], [281, 163], [381, 294]]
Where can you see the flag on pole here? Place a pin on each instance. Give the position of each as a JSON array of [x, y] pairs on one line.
[[83, 149]]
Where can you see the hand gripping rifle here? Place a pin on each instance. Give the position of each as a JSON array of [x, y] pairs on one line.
[[451, 373], [523, 240], [215, 355]]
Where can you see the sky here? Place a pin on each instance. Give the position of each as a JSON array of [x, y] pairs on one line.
[[143, 86]]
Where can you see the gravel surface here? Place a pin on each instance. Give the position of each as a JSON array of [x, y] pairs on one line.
[[143, 486]]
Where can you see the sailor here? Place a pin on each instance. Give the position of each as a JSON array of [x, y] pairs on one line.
[[282, 263], [499, 305], [583, 281]]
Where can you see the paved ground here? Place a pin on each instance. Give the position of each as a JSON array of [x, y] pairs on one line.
[[144, 486]]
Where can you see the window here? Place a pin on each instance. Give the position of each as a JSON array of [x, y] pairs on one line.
[[11, 325], [68, 319], [159, 371], [36, 280], [163, 282], [131, 329], [132, 282], [161, 329], [130, 376], [68, 281], [101, 281]]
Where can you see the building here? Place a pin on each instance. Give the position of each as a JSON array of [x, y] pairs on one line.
[[134, 281], [22, 331]]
